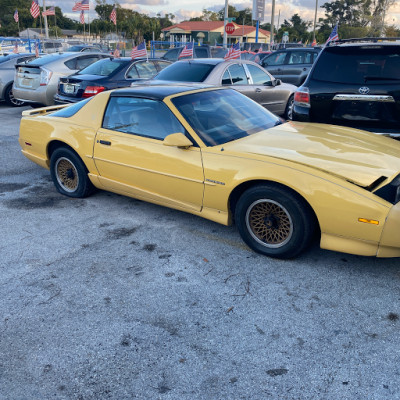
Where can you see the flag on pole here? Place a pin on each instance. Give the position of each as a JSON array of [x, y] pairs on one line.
[[36, 49], [314, 43], [35, 9], [139, 51], [233, 52], [15, 48], [81, 5], [113, 16], [82, 17], [49, 11], [187, 50], [16, 16], [333, 36]]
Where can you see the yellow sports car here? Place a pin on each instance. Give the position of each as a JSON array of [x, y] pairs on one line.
[[215, 153]]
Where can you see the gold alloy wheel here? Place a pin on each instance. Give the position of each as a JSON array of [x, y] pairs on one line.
[[269, 223], [67, 175]]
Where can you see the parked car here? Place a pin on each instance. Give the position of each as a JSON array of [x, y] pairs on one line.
[[106, 74], [215, 153], [291, 65], [244, 76], [85, 48], [7, 73], [52, 46], [36, 82], [354, 83], [203, 51]]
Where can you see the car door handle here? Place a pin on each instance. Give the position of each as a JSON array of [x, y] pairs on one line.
[[105, 142], [258, 90]]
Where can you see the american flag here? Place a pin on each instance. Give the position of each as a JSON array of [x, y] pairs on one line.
[[49, 11], [139, 51], [233, 52], [113, 16], [35, 9], [187, 50], [15, 48], [333, 36], [81, 5], [16, 16], [82, 17]]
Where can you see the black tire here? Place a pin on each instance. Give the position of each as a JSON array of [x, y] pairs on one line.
[[10, 99], [289, 108], [69, 174], [274, 221]]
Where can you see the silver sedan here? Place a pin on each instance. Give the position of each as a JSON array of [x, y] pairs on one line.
[[244, 76]]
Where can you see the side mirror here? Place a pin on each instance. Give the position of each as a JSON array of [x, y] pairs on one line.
[[177, 140]]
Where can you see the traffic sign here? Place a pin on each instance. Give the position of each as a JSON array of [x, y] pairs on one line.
[[229, 28]]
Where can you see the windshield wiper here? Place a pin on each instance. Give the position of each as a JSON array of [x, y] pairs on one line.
[[379, 78]]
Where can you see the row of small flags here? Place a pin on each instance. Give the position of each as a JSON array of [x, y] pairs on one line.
[[35, 11], [233, 52], [138, 51]]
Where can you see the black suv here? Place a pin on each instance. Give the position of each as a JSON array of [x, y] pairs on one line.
[[356, 83], [291, 65]]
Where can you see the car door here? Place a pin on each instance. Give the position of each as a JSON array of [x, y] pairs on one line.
[[265, 93], [298, 65], [275, 63], [131, 158]]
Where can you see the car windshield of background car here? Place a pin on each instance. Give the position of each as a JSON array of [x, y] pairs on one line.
[[221, 116], [185, 72], [358, 65], [103, 67]]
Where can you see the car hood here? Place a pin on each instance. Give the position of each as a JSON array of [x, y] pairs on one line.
[[357, 156]]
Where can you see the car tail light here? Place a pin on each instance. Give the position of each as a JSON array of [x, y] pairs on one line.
[[92, 90], [302, 97], [45, 76]]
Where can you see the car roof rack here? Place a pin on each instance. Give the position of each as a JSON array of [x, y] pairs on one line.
[[365, 39]]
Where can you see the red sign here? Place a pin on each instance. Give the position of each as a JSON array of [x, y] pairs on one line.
[[229, 28]]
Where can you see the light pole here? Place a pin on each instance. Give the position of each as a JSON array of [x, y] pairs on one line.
[[225, 20], [271, 39], [46, 27], [315, 19]]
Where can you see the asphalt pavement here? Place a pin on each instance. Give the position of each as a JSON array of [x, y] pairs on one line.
[[112, 298]]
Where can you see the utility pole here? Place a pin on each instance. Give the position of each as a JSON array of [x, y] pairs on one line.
[[271, 39], [225, 42], [46, 27], [315, 20]]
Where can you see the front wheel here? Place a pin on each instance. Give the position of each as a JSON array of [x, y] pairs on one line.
[[289, 108], [69, 174], [274, 221]]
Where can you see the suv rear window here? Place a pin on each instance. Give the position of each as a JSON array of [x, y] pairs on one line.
[[358, 65]]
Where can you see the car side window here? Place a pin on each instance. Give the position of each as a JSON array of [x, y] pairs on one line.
[[300, 57], [277, 58], [71, 64], [238, 75], [83, 62], [259, 76], [136, 116], [226, 78], [162, 64], [132, 73], [146, 69]]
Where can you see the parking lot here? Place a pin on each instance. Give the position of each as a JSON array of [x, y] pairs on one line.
[[112, 298]]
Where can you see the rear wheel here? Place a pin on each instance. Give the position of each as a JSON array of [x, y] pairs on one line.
[[69, 174], [274, 221], [10, 99], [289, 108]]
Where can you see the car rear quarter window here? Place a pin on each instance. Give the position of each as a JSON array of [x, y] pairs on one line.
[[70, 110], [238, 74], [259, 76], [185, 72], [358, 65], [84, 61], [103, 67]]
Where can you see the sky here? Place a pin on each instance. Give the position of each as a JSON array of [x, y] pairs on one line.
[[185, 9]]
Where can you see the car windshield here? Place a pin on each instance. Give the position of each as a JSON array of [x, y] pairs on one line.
[[220, 116], [358, 65], [185, 72], [103, 67]]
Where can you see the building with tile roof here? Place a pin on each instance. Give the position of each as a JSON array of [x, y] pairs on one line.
[[213, 32]]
